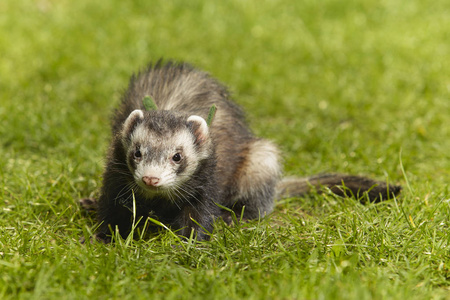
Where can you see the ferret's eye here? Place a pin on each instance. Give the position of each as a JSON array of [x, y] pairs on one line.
[[176, 158], [137, 154]]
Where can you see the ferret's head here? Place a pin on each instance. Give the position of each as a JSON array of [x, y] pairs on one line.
[[164, 150]]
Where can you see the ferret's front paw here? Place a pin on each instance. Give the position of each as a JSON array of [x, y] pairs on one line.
[[88, 204]]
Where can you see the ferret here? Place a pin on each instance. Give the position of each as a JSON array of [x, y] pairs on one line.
[[170, 165]]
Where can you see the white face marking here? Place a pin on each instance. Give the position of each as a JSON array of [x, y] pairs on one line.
[[157, 158]]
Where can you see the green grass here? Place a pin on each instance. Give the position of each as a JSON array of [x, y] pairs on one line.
[[350, 86]]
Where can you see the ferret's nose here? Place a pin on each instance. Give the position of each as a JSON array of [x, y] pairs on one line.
[[151, 181]]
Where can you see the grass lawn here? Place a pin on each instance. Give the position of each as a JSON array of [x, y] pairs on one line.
[[359, 86]]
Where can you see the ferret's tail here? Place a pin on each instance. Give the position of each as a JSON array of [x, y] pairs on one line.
[[339, 184]]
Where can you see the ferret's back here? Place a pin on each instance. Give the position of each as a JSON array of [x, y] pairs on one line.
[[182, 88]]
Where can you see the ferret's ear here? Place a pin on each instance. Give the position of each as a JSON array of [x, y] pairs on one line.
[[199, 129], [135, 117]]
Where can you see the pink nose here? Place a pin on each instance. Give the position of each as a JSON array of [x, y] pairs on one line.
[[150, 181]]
